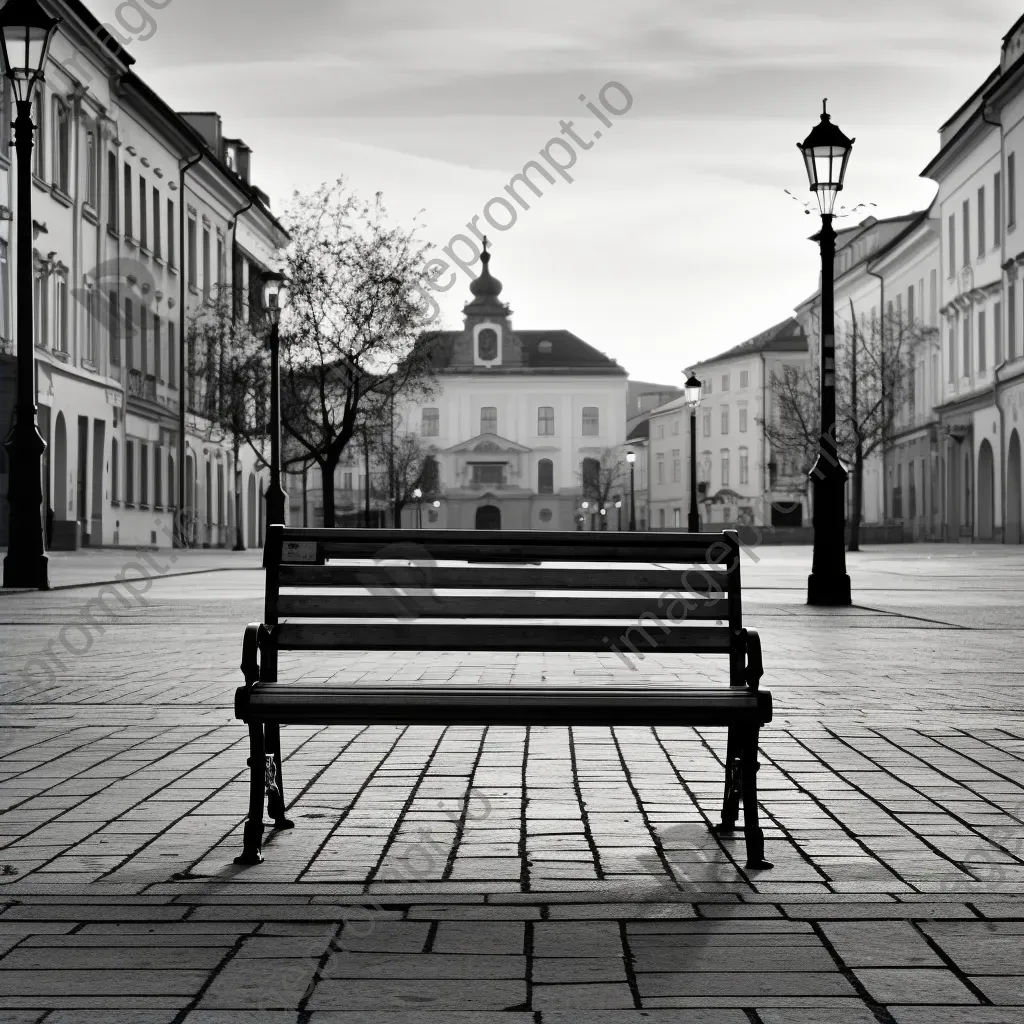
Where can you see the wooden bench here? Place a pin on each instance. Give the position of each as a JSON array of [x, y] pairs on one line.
[[467, 590]]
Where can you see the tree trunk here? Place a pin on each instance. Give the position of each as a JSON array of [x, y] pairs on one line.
[[327, 471], [856, 512]]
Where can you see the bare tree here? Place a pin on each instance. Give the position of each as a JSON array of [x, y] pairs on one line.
[[352, 325], [874, 381], [601, 478]]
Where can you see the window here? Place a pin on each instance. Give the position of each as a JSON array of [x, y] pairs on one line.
[[206, 264], [40, 308], [489, 473], [158, 344], [129, 228], [912, 481], [60, 312], [981, 341], [661, 431], [61, 146], [966, 345], [129, 473], [725, 419], [346, 480], [158, 476], [933, 298], [430, 422], [725, 469], [981, 221], [89, 337], [489, 420], [115, 483], [967, 233], [725, 382], [997, 332], [156, 222], [487, 344], [92, 166], [170, 232], [661, 518], [39, 136], [675, 427], [707, 386], [1011, 320], [744, 466], [1011, 191], [112, 192], [5, 287], [590, 421], [144, 338], [677, 517], [545, 477], [660, 462], [744, 378], [129, 331], [143, 474], [113, 330], [546, 421], [743, 419], [997, 199], [170, 480], [910, 305], [952, 245], [676, 466], [191, 252], [707, 422], [222, 269], [172, 357], [952, 353], [143, 218]]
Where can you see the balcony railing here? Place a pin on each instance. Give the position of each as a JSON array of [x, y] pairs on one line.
[[140, 386]]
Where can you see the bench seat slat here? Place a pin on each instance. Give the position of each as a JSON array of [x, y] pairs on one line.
[[489, 577], [518, 705], [460, 635], [419, 604]]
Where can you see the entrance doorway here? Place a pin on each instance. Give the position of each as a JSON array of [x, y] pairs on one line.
[[488, 517], [986, 492], [1013, 491]]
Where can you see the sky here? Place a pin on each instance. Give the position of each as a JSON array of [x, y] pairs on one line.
[[676, 239]]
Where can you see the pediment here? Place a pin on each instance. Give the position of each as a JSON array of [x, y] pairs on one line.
[[488, 444]]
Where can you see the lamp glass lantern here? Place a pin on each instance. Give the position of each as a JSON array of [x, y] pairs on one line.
[[417, 493], [694, 391], [631, 457], [275, 294], [25, 34], [826, 152]]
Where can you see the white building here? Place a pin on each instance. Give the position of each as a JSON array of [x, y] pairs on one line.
[[734, 459], [515, 418], [123, 187]]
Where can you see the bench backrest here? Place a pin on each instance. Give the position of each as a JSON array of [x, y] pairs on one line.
[[505, 590]]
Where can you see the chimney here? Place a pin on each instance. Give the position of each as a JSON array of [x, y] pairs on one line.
[[208, 126], [236, 157]]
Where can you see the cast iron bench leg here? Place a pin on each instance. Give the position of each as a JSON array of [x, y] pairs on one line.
[[275, 796], [252, 836], [731, 799], [751, 826]]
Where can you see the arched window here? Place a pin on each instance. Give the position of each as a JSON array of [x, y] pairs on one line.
[[171, 481], [115, 482], [545, 477]]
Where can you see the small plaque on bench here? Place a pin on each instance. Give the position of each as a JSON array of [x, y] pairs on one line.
[[299, 551]]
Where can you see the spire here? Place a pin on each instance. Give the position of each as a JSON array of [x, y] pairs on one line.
[[486, 289]]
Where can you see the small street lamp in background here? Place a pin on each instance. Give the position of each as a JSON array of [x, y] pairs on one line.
[[631, 459], [826, 152], [418, 495], [618, 505], [25, 34], [694, 392], [275, 294], [239, 539]]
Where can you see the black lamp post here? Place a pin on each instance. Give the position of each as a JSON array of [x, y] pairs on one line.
[[631, 459], [274, 297], [418, 495], [239, 536], [25, 34], [694, 391], [826, 152]]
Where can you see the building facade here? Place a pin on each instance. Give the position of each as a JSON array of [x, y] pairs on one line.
[[119, 180]]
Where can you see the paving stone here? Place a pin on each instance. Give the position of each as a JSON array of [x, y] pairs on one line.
[[914, 985]]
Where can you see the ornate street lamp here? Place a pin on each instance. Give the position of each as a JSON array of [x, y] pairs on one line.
[[418, 495], [618, 505], [826, 152], [694, 392], [275, 294], [25, 34], [631, 459]]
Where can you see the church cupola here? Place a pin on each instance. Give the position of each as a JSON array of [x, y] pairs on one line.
[[487, 318]]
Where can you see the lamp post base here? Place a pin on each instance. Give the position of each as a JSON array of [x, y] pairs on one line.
[[693, 523], [828, 590], [30, 572]]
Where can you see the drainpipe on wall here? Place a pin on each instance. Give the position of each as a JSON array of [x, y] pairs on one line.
[[1005, 334], [182, 381], [881, 321]]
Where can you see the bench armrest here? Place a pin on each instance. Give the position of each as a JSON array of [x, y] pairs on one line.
[[755, 667], [251, 641]]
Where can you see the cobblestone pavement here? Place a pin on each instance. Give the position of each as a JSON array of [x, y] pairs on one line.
[[549, 876]]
